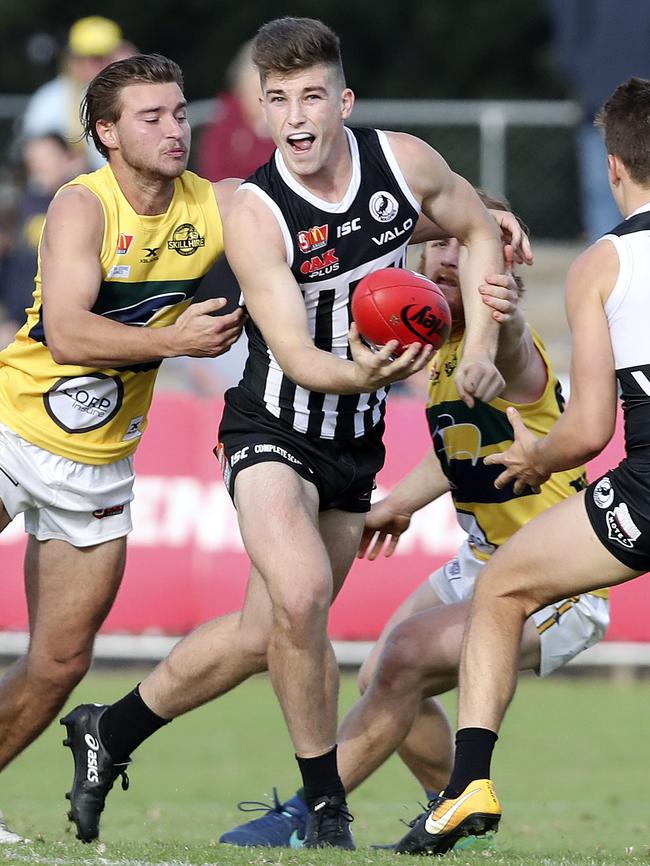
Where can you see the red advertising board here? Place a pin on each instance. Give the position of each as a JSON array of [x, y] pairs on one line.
[[186, 562]]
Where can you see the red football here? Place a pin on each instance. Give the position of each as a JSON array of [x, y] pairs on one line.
[[396, 304]]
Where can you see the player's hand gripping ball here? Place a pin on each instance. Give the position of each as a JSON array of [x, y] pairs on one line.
[[397, 304]]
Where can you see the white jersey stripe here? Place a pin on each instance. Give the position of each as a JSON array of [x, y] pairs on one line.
[[277, 213], [397, 171]]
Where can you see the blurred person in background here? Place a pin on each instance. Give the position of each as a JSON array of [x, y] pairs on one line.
[[54, 107], [597, 45], [237, 140], [49, 161]]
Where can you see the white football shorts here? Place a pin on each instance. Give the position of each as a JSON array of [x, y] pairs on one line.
[[75, 502], [565, 628]]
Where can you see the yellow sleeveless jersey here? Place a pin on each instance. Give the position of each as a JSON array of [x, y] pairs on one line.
[[463, 437], [151, 269]]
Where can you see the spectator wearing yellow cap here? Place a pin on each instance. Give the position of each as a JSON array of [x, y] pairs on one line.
[[93, 43]]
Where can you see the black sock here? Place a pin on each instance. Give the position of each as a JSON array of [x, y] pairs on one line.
[[320, 777], [300, 793], [127, 723], [474, 748]]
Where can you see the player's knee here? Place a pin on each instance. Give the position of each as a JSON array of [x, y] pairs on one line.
[[59, 672], [301, 615], [399, 666], [504, 589]]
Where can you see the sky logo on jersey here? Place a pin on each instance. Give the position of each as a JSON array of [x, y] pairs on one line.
[[123, 244], [313, 239], [325, 264]]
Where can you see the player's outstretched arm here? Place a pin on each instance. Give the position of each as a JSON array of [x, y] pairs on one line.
[[512, 234], [453, 204], [587, 424], [71, 273], [390, 517]]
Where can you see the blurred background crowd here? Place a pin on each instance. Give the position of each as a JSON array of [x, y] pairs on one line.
[[508, 98]]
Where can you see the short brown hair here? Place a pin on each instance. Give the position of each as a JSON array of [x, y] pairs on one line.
[[102, 99], [288, 45], [625, 121]]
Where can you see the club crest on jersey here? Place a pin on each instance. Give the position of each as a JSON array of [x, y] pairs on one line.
[[186, 240], [123, 244], [314, 238], [327, 263], [383, 206]]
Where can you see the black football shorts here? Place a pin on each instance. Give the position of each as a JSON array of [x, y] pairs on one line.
[[343, 472], [618, 507]]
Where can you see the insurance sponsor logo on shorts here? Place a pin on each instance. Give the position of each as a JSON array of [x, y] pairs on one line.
[[383, 206], [621, 527], [79, 404], [268, 448], [603, 493]]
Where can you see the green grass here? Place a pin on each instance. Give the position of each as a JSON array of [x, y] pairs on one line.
[[570, 768]]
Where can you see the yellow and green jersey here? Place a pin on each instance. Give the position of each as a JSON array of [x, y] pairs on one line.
[[151, 268], [463, 437]]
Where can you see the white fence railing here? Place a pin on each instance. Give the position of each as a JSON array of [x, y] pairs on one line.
[[491, 117]]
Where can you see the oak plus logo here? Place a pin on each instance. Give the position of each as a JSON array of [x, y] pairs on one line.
[[327, 263], [79, 404], [186, 240]]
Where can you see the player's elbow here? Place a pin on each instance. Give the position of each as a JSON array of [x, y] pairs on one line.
[[595, 437], [63, 349], [59, 351]]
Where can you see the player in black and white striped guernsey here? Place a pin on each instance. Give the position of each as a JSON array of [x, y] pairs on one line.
[[301, 436], [602, 534], [329, 248]]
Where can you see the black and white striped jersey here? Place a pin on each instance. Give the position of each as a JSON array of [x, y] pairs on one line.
[[329, 248], [628, 316]]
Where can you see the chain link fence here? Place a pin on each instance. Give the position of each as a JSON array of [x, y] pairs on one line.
[[524, 150]]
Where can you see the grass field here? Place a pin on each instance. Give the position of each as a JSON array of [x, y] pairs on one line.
[[571, 770]]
